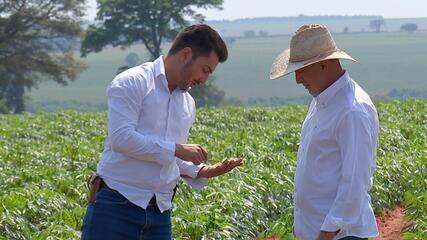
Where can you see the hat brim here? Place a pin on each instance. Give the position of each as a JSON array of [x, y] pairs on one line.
[[282, 66]]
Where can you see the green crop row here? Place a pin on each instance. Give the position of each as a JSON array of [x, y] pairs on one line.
[[45, 158]]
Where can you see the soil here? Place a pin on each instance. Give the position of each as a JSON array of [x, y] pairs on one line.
[[392, 224]]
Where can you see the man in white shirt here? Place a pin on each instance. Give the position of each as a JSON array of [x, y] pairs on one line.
[[150, 114], [336, 156]]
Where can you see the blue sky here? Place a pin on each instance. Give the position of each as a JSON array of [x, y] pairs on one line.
[[260, 8]]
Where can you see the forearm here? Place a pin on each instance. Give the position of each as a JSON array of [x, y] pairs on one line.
[[219, 169], [133, 144]]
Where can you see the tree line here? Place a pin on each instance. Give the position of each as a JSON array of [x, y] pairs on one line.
[[39, 38]]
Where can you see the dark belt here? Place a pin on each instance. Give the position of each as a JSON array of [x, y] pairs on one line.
[[152, 200]]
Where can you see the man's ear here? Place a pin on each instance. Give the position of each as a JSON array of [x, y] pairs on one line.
[[187, 54]]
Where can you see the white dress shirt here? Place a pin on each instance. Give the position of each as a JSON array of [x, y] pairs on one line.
[[145, 121], [335, 164]]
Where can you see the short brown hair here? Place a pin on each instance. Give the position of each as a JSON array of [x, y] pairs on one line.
[[202, 39]]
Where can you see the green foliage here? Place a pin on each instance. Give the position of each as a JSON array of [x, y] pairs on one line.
[[402, 94], [36, 41], [208, 95], [376, 24], [3, 106], [409, 27], [44, 159], [401, 175], [249, 34], [132, 59], [123, 23]]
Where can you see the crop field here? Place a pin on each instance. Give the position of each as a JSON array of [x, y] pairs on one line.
[[45, 158], [388, 60]]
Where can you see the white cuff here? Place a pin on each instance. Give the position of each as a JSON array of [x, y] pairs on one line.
[[167, 154], [189, 169]]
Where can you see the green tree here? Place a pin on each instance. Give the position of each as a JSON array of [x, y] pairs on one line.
[[249, 34], [132, 59], [263, 33], [409, 27], [36, 44], [123, 23], [230, 41], [376, 24], [345, 31], [3, 107], [209, 95]]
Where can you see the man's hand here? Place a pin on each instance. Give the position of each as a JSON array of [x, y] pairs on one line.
[[327, 235], [219, 168], [191, 153]]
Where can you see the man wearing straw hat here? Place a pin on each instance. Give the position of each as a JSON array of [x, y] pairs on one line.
[[336, 156]]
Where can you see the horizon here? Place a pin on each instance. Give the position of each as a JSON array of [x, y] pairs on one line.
[[273, 8]]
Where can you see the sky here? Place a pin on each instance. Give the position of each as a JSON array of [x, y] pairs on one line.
[[234, 9]]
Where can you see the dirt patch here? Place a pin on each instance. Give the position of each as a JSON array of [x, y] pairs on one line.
[[274, 237], [392, 224]]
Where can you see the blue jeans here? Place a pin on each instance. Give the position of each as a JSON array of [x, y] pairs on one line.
[[113, 217]]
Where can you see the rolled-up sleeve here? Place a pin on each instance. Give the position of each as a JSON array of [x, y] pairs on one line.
[[188, 168], [189, 173], [356, 140], [125, 98]]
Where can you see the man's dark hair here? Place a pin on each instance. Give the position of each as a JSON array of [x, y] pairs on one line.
[[202, 39]]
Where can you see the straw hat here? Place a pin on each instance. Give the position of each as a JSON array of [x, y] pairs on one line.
[[310, 44]]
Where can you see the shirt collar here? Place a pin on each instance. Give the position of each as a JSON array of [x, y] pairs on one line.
[[323, 99], [159, 70], [159, 67]]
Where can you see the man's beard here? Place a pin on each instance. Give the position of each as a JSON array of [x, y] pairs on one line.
[[185, 73]]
